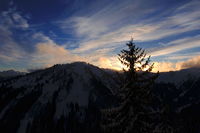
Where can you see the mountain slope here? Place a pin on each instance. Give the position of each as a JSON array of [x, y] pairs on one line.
[[68, 98], [178, 77], [55, 97]]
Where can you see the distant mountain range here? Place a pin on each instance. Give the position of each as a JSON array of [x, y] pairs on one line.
[[179, 77], [176, 77], [9, 74], [68, 98]]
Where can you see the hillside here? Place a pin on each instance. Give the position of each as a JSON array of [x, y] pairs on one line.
[[52, 96], [69, 97]]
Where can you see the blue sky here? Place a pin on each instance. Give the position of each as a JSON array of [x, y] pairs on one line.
[[40, 33]]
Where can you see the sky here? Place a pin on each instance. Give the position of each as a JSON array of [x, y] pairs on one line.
[[40, 33]]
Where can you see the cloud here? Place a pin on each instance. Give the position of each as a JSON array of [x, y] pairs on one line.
[[177, 45], [10, 50], [45, 53], [100, 32], [13, 19], [104, 17], [20, 22], [114, 63], [164, 67], [105, 63], [181, 57], [193, 62], [12, 53], [113, 38], [48, 53], [87, 26], [109, 62]]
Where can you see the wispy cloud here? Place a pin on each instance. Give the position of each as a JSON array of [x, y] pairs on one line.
[[99, 32], [9, 49], [177, 45], [13, 19], [180, 57], [100, 20], [45, 53]]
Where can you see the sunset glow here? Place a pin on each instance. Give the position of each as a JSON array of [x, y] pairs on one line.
[[34, 36]]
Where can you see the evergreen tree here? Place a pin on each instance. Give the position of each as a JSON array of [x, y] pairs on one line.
[[133, 115], [164, 122]]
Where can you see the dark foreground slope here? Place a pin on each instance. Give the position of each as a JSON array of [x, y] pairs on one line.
[[179, 92]]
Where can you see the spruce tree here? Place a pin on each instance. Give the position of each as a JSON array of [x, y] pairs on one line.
[[133, 114]]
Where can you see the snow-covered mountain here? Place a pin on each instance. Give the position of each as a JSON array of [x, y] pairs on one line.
[[181, 96], [52, 99], [178, 77], [68, 98], [9, 74]]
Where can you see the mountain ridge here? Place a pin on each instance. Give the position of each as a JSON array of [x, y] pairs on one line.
[[69, 97], [58, 89]]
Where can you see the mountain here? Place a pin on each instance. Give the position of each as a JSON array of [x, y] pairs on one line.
[[178, 77], [179, 93], [68, 98], [61, 98], [10, 74]]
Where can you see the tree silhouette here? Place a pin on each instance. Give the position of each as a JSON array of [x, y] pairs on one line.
[[133, 114]]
